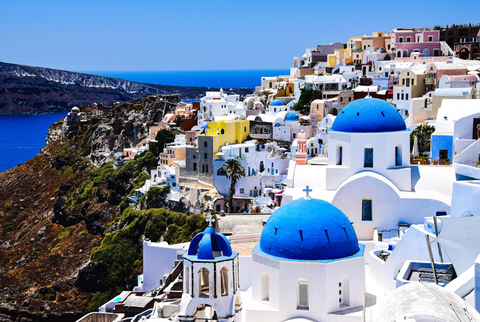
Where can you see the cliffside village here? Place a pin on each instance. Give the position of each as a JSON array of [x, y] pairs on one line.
[[340, 215]]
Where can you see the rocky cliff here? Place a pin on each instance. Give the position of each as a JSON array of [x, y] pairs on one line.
[[67, 235], [27, 89]]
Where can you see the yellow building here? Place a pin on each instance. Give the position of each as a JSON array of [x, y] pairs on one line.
[[414, 79], [230, 132], [338, 56]]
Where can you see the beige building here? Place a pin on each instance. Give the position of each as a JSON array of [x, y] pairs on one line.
[[377, 40], [173, 154], [345, 97], [414, 79], [321, 108], [449, 93]]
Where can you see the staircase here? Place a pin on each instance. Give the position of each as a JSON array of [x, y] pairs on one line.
[[447, 50], [465, 163]]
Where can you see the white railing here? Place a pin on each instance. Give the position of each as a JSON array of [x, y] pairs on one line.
[[448, 50]]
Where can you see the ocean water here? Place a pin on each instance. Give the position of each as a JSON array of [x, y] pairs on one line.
[[208, 78], [22, 137]]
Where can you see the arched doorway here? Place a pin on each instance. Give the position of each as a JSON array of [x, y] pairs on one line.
[[203, 282], [405, 53], [475, 53], [464, 53], [205, 312], [333, 111]]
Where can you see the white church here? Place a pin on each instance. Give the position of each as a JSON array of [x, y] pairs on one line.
[[308, 264], [369, 176]]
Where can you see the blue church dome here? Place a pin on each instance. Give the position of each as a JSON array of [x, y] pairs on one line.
[[291, 117], [309, 229], [209, 245], [276, 102], [369, 115]]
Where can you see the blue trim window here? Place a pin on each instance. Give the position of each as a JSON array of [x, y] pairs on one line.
[[368, 158], [366, 210]]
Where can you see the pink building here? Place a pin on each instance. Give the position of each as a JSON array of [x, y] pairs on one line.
[[425, 41]]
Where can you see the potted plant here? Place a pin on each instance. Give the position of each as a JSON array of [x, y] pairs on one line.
[[441, 162], [447, 161], [435, 161], [427, 161]]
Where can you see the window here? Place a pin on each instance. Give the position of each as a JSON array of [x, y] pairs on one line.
[[224, 281], [368, 162], [430, 38], [246, 150], [205, 144], [398, 155], [206, 168], [403, 82], [203, 282], [222, 131], [418, 38], [388, 47], [406, 96], [413, 81], [398, 96], [242, 190], [174, 184], [265, 287], [194, 167], [245, 129], [409, 39], [403, 96], [367, 209], [294, 135], [205, 155], [203, 168], [194, 156], [339, 154], [400, 39], [187, 279], [344, 291], [302, 296]]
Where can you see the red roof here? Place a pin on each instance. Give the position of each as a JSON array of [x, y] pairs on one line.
[[463, 77]]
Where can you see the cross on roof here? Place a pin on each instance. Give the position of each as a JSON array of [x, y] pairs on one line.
[[209, 220], [307, 190]]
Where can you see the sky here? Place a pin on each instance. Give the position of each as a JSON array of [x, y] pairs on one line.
[[152, 35]]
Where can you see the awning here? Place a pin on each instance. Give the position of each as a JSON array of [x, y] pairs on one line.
[[460, 238]]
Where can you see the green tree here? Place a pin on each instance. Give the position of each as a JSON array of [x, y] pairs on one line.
[[423, 133], [163, 137], [306, 97], [234, 171]]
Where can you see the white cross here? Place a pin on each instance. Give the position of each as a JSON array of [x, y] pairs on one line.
[[307, 190], [209, 220]]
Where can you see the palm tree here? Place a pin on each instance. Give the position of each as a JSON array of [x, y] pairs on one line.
[[234, 171]]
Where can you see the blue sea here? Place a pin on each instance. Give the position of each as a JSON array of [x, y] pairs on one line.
[[207, 78], [22, 137]]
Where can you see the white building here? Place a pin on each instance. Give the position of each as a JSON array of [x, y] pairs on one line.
[[308, 264], [369, 176], [211, 277], [265, 167]]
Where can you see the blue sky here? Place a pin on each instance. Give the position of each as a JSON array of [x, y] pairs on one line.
[[199, 35]]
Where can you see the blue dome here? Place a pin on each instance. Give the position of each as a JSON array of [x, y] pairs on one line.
[[209, 244], [276, 102], [369, 115], [309, 229], [291, 117]]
